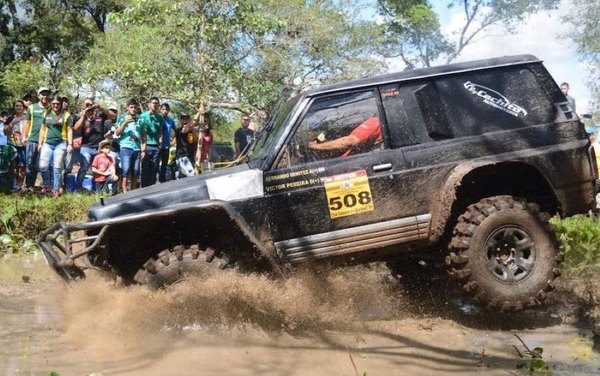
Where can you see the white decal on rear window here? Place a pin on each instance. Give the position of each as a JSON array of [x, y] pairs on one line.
[[495, 99]]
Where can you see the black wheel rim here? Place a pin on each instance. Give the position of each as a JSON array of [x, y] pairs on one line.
[[511, 254]]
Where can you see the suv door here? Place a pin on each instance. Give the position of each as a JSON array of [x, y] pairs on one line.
[[330, 191]]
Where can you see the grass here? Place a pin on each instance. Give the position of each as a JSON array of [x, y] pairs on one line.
[[24, 216], [580, 237]]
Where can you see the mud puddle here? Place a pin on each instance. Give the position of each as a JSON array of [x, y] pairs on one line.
[[345, 322]]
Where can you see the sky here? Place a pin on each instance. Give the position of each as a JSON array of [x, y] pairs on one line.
[[542, 34]]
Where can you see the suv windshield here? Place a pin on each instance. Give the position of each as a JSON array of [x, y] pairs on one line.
[[268, 136]]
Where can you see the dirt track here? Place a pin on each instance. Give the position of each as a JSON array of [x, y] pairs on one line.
[[342, 323]]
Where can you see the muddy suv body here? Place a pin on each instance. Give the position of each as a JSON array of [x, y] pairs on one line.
[[474, 157]]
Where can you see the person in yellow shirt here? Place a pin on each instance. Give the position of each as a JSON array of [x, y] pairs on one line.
[[55, 141]]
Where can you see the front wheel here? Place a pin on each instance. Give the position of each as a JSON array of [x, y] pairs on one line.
[[504, 253], [172, 265]]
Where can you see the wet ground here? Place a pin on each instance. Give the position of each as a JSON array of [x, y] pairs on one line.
[[350, 322]]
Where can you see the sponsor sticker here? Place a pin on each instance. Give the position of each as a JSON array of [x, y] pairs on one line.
[[348, 194], [495, 99]]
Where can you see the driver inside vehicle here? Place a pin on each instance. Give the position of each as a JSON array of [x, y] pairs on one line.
[[369, 131]]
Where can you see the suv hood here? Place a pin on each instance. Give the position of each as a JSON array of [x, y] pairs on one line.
[[228, 184]]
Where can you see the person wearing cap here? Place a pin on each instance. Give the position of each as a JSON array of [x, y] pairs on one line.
[[65, 102], [103, 167], [113, 112], [31, 133], [169, 126], [186, 139]]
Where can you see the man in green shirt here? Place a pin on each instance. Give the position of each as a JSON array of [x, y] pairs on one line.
[[31, 131], [152, 124]]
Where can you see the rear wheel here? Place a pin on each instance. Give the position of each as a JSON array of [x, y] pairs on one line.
[[172, 265], [504, 253]]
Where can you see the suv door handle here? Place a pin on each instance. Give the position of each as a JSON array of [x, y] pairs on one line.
[[382, 167]]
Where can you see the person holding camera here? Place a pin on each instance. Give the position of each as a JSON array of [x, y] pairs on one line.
[[91, 127], [129, 133]]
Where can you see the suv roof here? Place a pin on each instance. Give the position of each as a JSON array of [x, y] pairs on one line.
[[426, 72]]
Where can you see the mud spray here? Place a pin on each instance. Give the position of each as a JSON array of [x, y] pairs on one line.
[[99, 313]]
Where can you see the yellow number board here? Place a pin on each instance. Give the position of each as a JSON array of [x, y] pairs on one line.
[[348, 194]]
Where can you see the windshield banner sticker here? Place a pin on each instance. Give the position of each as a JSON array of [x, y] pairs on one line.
[[495, 99], [348, 194]]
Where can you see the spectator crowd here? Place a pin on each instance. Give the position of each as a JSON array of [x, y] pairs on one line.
[[54, 148]]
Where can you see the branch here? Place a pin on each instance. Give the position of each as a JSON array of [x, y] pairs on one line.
[[385, 9], [462, 42], [229, 106]]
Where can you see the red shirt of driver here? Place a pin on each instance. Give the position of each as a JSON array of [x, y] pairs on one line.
[[369, 130]]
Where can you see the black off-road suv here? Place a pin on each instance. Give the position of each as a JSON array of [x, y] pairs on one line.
[[474, 157]]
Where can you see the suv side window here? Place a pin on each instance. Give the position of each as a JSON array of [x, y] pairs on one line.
[[489, 101], [336, 126], [405, 126], [467, 104]]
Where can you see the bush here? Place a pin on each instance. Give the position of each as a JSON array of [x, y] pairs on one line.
[[580, 238], [23, 217]]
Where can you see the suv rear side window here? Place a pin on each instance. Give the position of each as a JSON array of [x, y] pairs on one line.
[[337, 126], [467, 104], [489, 101]]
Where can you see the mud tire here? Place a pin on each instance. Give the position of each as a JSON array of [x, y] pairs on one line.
[[479, 261], [173, 265]]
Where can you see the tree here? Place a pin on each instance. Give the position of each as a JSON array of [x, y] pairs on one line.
[[585, 32], [413, 28], [9, 26], [49, 36], [237, 55], [21, 77]]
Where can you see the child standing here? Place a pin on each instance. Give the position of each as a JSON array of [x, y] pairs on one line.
[[103, 167]]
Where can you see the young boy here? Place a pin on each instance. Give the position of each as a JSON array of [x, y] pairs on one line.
[[103, 167]]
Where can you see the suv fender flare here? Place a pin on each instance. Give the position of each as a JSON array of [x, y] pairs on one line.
[[57, 241], [442, 209]]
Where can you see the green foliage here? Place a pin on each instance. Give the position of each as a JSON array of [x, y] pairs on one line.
[[580, 237], [20, 77], [236, 55], [412, 30], [49, 36], [23, 217], [585, 31], [534, 362]]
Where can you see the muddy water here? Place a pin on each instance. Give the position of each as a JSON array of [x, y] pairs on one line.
[[345, 322]]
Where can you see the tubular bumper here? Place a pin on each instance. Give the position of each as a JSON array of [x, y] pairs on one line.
[[57, 243]]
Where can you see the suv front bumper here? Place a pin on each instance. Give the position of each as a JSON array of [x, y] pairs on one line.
[[57, 244]]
